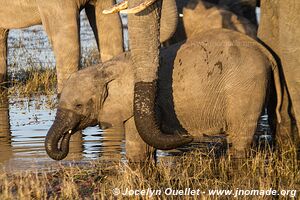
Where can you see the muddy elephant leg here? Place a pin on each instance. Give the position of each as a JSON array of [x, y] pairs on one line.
[[107, 29], [60, 21], [136, 149], [3, 54]]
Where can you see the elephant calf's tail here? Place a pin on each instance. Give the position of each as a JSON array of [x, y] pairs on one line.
[[276, 76]]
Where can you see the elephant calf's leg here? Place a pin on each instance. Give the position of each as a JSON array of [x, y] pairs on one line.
[[241, 138], [136, 149], [240, 131], [3, 54]]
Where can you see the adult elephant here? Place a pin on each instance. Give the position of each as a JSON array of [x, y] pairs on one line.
[[279, 30], [60, 19]]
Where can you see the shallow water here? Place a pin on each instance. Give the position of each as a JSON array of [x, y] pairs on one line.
[[24, 123]]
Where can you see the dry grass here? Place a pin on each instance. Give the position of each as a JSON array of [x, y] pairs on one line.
[[31, 81], [262, 171]]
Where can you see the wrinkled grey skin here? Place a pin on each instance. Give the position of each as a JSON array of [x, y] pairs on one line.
[[60, 19], [209, 85], [279, 30]]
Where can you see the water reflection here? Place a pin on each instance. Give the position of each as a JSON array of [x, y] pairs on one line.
[[107, 145], [112, 142], [24, 123]]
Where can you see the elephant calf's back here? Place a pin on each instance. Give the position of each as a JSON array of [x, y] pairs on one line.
[[219, 79]]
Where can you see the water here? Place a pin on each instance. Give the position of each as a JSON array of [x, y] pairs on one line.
[[24, 123]]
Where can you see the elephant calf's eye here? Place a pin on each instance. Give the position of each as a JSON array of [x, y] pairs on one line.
[[78, 106]]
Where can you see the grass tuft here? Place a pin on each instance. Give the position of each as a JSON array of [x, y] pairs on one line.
[[31, 81]]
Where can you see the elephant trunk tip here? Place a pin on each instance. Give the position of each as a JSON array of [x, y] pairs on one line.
[[53, 149], [144, 101]]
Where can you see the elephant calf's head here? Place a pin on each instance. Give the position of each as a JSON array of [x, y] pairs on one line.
[[77, 109]]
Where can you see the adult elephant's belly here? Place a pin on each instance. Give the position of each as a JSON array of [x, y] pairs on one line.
[[18, 14], [199, 93]]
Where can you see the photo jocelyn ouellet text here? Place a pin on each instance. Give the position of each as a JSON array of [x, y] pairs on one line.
[[197, 192]]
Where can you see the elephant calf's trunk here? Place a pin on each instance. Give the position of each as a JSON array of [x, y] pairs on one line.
[[58, 137], [52, 144], [144, 116]]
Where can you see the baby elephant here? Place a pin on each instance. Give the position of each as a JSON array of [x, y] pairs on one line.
[[213, 83]]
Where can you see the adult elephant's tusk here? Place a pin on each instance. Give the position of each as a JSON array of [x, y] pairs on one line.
[[122, 7], [138, 8], [116, 8]]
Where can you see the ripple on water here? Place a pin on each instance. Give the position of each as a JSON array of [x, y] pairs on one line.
[[23, 133]]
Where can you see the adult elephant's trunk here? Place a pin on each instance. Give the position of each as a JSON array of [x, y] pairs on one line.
[[58, 137], [169, 20], [144, 43]]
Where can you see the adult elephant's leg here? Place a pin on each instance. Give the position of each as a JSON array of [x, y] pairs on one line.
[[268, 33], [136, 149], [60, 21], [3, 54], [289, 42], [281, 34], [107, 29]]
